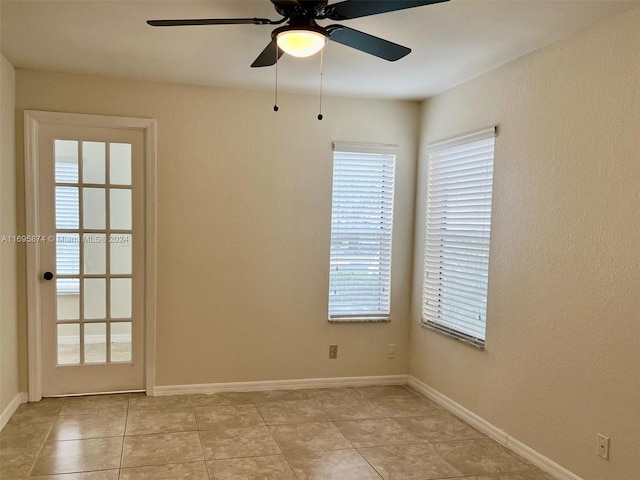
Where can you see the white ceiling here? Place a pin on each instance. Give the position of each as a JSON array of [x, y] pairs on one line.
[[451, 42]]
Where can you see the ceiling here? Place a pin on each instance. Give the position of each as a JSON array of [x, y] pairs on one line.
[[452, 42]]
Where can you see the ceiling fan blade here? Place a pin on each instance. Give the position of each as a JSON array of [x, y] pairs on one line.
[[210, 21], [361, 8], [367, 43], [268, 56], [284, 3]]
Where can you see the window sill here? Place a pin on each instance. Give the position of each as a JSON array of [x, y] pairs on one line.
[[461, 337], [360, 320]]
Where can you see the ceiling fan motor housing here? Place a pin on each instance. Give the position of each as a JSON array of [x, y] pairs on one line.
[[299, 23]]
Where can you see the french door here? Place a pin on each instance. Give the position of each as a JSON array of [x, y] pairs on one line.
[[91, 247]]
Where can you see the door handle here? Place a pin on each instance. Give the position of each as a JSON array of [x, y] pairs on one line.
[[47, 275]]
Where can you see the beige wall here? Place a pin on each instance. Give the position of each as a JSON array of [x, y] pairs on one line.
[[244, 206], [562, 358], [8, 252]]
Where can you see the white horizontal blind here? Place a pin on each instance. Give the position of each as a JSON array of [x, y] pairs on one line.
[[361, 231], [67, 214], [458, 225]]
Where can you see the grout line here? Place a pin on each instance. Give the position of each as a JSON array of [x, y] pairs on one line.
[[204, 456], [46, 437], [370, 464], [276, 441], [124, 437]]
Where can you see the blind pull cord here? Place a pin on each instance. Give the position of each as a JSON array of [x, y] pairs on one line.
[[321, 71], [275, 105]]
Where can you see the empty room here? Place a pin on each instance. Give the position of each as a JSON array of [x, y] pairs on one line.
[[320, 240]]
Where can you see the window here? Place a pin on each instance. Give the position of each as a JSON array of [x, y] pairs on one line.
[[361, 230], [67, 213], [458, 224]]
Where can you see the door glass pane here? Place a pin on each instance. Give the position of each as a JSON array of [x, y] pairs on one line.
[[93, 168], [95, 342], [69, 344], [120, 298], [120, 164], [66, 152], [95, 292], [67, 253], [93, 214], [67, 207], [95, 252], [120, 209], [121, 342], [68, 298], [121, 253]]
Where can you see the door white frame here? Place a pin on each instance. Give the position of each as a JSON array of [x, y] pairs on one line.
[[32, 121]]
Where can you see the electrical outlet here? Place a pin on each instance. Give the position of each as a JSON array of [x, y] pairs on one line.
[[603, 446], [333, 351], [391, 351]]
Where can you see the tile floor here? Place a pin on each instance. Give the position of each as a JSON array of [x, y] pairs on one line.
[[391, 433]]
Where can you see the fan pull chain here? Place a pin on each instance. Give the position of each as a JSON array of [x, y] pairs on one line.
[[275, 106], [321, 72]]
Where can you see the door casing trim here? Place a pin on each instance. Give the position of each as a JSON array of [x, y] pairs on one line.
[[32, 120]]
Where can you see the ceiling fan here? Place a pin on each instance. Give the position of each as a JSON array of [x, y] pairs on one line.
[[301, 36]]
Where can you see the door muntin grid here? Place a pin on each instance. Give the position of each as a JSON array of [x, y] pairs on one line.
[[94, 241]]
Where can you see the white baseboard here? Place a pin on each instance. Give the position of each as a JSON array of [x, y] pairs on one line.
[[12, 407], [499, 435], [297, 384]]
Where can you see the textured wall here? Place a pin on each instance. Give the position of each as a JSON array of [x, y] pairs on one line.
[[562, 358], [8, 252], [244, 206]]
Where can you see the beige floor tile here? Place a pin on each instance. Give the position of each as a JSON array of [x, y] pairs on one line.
[[159, 403], [101, 475], [406, 406], [438, 428], [222, 398], [229, 416], [160, 421], [95, 404], [386, 390], [332, 394], [71, 456], [273, 467], [26, 427], [357, 409], [14, 472], [238, 442], [482, 456], [530, 474], [47, 407], [161, 448], [375, 432], [174, 471], [398, 430], [16, 462], [280, 396], [409, 462], [76, 427], [296, 411], [22, 439], [309, 437], [332, 465]]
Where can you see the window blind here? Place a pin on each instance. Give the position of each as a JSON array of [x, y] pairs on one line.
[[361, 232], [67, 214], [458, 225]]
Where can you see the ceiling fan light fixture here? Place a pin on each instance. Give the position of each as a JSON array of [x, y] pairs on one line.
[[301, 43]]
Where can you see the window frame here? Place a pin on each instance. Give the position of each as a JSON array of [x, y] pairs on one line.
[[447, 326], [390, 152]]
